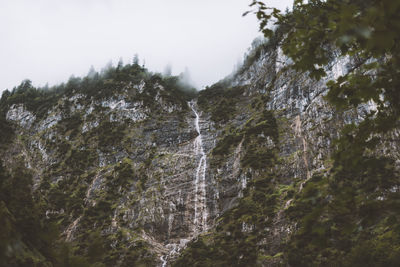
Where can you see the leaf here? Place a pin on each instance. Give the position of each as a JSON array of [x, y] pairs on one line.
[[246, 13]]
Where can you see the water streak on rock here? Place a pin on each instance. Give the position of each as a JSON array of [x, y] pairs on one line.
[[200, 201]]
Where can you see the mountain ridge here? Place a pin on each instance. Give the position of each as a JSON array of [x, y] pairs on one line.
[[114, 162]]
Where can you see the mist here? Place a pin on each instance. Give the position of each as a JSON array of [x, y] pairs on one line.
[[47, 41]]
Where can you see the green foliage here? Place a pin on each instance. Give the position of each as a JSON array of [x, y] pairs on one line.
[[257, 158], [71, 125], [366, 31], [6, 131], [223, 146], [109, 134], [179, 90], [97, 86], [138, 254], [26, 238], [80, 159], [37, 100], [343, 217], [96, 249], [262, 125], [125, 173], [220, 101]]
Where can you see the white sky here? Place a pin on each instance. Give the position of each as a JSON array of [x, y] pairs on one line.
[[49, 40]]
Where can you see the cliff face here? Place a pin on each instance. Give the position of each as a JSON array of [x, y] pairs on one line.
[[225, 178], [117, 166], [285, 197]]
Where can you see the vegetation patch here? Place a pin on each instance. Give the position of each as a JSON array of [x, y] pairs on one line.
[[220, 101]]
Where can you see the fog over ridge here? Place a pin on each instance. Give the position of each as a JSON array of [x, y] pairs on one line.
[[48, 41]]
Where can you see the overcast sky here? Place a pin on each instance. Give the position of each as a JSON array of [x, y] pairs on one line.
[[50, 40]]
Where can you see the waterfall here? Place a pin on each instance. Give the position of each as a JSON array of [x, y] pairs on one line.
[[163, 261], [200, 201], [173, 251]]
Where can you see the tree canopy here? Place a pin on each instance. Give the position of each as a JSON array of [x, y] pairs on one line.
[[367, 32], [349, 229]]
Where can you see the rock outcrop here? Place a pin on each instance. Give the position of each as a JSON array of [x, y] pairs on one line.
[[165, 179]]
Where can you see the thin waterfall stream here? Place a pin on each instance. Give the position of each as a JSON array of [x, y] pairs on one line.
[[200, 201]]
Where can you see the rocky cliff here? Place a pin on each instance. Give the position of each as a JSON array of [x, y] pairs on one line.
[[134, 172]]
